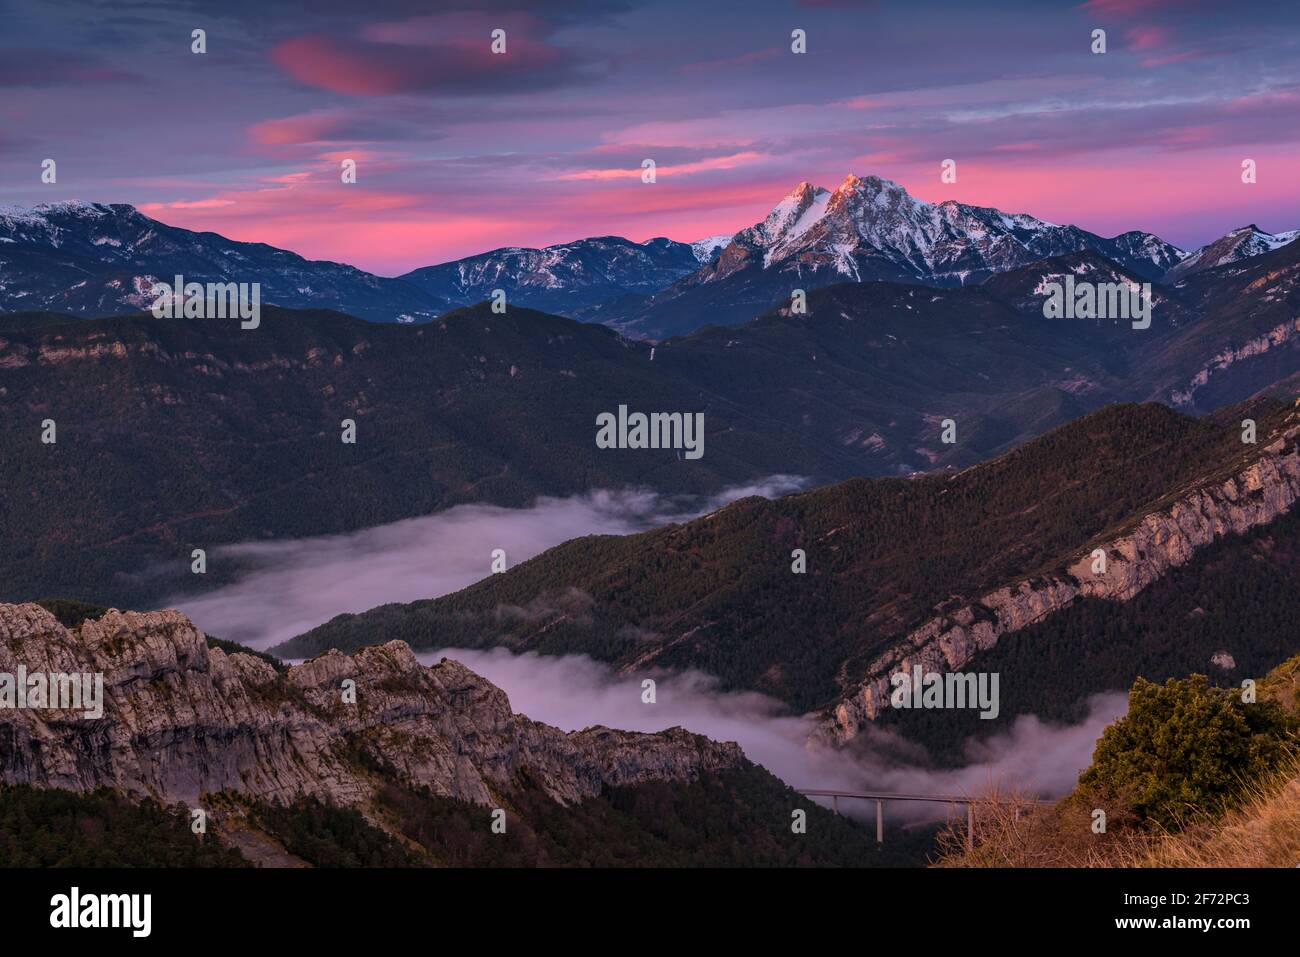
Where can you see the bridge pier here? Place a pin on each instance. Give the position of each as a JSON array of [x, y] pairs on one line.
[[952, 800]]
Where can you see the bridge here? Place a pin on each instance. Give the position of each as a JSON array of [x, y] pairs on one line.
[[880, 797]]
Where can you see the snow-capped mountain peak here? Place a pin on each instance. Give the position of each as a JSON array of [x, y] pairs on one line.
[[563, 277], [870, 227], [95, 259], [1241, 243], [49, 223], [793, 216], [42, 212], [706, 250]]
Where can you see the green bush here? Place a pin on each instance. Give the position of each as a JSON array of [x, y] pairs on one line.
[[1187, 749]]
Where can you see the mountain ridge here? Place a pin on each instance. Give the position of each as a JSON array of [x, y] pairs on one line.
[[562, 277], [1244, 242], [870, 228], [897, 571], [371, 759], [95, 259], [500, 408], [243, 726]]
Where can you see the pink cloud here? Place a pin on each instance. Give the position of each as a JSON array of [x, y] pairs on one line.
[[1185, 136], [456, 66], [359, 156], [862, 103], [310, 128], [1127, 189], [1147, 37], [699, 166], [152, 208], [1018, 148]]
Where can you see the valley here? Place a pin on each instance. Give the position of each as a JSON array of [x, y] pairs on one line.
[[177, 435], [1141, 481], [518, 462], [398, 772]]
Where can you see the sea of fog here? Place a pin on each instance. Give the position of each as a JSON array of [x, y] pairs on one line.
[[574, 692], [295, 585]]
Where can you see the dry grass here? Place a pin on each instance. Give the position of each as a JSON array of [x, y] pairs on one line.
[[1010, 831], [1263, 832]]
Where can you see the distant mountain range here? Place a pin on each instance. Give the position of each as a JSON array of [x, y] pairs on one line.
[[566, 277], [95, 260], [176, 434], [1239, 244], [91, 259]]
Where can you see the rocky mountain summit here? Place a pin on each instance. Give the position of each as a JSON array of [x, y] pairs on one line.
[[181, 719], [871, 229], [1245, 242]]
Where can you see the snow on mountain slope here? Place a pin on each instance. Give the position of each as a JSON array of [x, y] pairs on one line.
[[1241, 243], [563, 277], [870, 227], [706, 250], [96, 259], [804, 206]]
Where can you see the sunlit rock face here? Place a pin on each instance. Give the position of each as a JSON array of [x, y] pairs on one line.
[[1157, 542]]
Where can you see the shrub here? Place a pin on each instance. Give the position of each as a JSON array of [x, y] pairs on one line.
[[1187, 749]]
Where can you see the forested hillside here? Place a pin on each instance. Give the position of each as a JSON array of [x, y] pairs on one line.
[[720, 593]]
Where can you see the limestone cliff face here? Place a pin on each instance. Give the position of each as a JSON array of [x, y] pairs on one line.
[[1277, 336], [181, 719], [1162, 539]]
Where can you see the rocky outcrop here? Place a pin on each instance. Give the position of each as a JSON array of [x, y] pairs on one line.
[[1277, 336], [1160, 540], [181, 719]]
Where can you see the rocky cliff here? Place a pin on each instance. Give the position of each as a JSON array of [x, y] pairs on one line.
[[1140, 554], [181, 719], [1278, 336]]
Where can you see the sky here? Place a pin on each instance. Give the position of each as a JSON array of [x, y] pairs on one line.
[[459, 150]]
